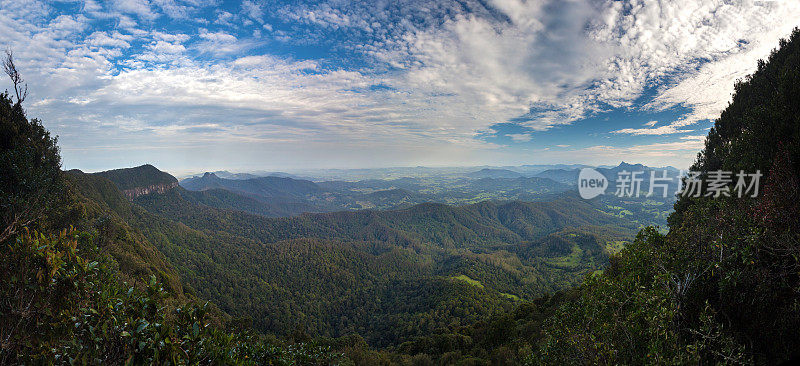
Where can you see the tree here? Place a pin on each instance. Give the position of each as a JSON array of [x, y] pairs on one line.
[[20, 88], [30, 165]]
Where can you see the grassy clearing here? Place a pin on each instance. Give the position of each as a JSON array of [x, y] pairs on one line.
[[570, 261], [468, 280], [510, 296]]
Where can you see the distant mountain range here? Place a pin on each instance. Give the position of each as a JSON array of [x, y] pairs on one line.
[[570, 176], [276, 196], [267, 187], [321, 175], [228, 175]]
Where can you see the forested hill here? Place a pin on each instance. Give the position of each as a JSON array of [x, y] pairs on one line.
[[141, 176], [257, 186], [387, 275], [141, 180], [80, 284], [486, 224]]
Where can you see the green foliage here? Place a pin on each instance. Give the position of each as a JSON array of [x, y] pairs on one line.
[[507, 338], [630, 314], [468, 280], [58, 307], [753, 243], [36, 291], [30, 175]]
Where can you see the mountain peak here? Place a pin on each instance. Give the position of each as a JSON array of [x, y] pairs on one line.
[[143, 175], [143, 179], [627, 166]]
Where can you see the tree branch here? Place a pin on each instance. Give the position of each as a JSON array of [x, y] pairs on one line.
[[20, 87]]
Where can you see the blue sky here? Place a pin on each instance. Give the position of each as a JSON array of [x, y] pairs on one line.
[[246, 85]]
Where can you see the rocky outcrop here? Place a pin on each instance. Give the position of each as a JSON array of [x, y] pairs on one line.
[[155, 188]]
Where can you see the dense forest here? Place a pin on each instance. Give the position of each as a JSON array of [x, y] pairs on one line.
[[96, 270], [386, 275]]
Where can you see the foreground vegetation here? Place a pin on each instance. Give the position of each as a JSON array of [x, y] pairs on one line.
[[722, 286]]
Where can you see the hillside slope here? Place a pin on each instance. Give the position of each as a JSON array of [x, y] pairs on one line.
[[104, 208], [388, 275]]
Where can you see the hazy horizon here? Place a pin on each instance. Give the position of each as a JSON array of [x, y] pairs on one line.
[[319, 172]]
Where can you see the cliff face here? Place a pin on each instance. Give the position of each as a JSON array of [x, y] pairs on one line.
[[155, 188], [140, 181]]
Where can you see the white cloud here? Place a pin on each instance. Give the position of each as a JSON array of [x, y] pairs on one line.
[[174, 9], [221, 43], [520, 137], [140, 8], [732, 35], [221, 37], [580, 56], [662, 130], [114, 39], [170, 37], [253, 10], [166, 47], [224, 18]]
